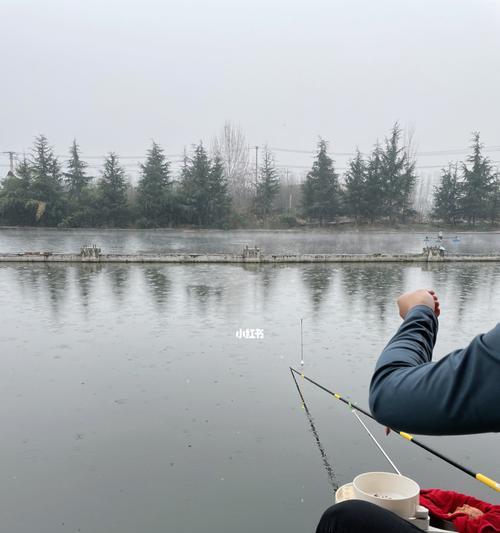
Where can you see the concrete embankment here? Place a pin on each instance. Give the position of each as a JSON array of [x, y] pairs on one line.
[[48, 257]]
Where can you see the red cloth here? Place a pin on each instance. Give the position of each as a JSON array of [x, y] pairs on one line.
[[442, 503]]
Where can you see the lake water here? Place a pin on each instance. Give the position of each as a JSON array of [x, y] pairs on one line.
[[128, 403]]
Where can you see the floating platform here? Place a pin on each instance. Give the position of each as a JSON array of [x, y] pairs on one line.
[[425, 257]]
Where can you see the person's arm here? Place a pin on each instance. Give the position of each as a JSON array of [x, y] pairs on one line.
[[457, 395]]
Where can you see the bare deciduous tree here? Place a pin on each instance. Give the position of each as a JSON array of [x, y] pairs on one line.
[[231, 145], [423, 196], [290, 193]]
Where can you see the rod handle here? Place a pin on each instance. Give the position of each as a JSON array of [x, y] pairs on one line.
[[488, 481]]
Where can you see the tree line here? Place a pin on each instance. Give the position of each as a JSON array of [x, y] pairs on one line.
[[214, 189], [41, 192], [381, 187]]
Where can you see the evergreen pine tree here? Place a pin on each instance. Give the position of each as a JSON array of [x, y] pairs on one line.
[[321, 192], [112, 190], [494, 203], [267, 186], [398, 177], [308, 197], [374, 186], [479, 185], [46, 184], [23, 171], [195, 186], [16, 206], [447, 196], [219, 200], [76, 177], [181, 211], [355, 198], [82, 196], [204, 189], [153, 191]]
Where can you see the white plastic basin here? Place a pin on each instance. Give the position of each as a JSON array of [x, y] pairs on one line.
[[396, 493]]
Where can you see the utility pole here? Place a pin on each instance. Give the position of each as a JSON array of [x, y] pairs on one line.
[[256, 165], [11, 159], [301, 343], [289, 192]]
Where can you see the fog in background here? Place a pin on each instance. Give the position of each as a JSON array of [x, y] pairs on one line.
[[117, 74]]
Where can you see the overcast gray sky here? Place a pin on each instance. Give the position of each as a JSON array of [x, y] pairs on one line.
[[116, 74]]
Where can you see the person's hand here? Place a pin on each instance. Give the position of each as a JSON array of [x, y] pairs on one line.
[[427, 297], [471, 512]]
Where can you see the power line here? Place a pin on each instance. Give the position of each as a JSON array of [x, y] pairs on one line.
[[418, 153], [308, 152], [138, 157], [451, 151], [130, 165], [458, 151], [424, 153]]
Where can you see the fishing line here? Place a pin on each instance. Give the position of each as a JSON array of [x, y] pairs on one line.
[[301, 343], [491, 483], [328, 467], [376, 442]]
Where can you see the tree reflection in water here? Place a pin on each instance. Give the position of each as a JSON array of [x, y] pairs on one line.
[[369, 288], [159, 285], [119, 276], [86, 275], [44, 281], [374, 287], [317, 279]]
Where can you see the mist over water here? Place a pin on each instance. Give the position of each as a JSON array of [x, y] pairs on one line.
[[129, 404], [218, 241]]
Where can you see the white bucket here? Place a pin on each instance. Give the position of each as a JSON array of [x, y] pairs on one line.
[[396, 493]]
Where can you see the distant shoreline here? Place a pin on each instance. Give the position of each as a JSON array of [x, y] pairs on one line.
[[424, 229]]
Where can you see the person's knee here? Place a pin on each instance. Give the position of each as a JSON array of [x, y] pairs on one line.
[[340, 516], [329, 518], [349, 516]]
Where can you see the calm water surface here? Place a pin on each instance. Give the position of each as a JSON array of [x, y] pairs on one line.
[[128, 403]]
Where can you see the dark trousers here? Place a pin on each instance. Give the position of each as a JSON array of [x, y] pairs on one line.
[[357, 516]]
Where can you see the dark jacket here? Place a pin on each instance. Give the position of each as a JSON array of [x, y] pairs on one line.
[[456, 395]]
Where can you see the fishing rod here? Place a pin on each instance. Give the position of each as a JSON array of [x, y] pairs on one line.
[[492, 484]]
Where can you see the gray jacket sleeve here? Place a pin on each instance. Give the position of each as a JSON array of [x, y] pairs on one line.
[[456, 395]]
